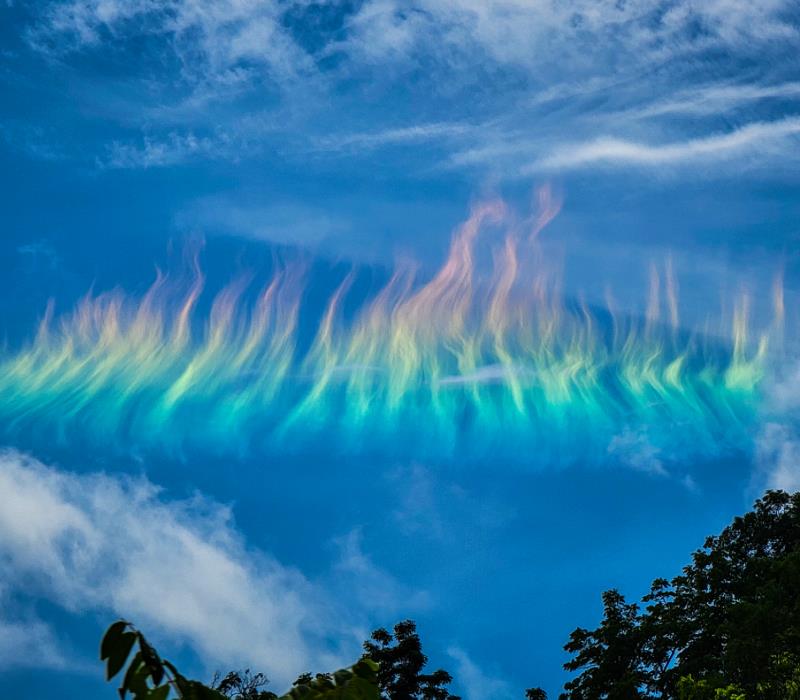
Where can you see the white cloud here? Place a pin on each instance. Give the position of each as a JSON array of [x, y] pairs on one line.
[[30, 643], [215, 38], [210, 37], [590, 68], [784, 391], [382, 32], [690, 484], [432, 132], [172, 149], [510, 31], [488, 374], [778, 457], [635, 450], [365, 581], [431, 507], [178, 568], [476, 684], [757, 144], [279, 222], [716, 99], [553, 33], [732, 21], [754, 139], [500, 84]]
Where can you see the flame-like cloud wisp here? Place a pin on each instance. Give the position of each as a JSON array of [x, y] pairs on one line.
[[454, 366]]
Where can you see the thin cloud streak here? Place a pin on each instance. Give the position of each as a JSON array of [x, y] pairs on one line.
[[716, 99], [417, 133], [619, 152], [175, 149]]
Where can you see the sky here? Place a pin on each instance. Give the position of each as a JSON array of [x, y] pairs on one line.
[[317, 316]]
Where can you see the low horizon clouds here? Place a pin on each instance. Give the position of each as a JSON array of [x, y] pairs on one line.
[[96, 543]]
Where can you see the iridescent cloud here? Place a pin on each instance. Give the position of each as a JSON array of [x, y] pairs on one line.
[[456, 366]]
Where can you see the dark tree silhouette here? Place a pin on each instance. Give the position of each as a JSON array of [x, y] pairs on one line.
[[148, 676], [609, 656], [401, 662], [726, 628], [728, 624], [243, 685]]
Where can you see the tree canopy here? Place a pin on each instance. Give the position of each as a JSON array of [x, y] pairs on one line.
[[401, 662], [726, 628]]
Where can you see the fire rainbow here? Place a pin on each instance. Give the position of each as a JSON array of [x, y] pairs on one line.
[[450, 367]]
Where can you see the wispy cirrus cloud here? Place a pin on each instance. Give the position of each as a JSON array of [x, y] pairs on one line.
[[506, 86], [172, 149], [223, 34], [525, 34], [414, 134], [211, 40], [757, 139], [716, 99]]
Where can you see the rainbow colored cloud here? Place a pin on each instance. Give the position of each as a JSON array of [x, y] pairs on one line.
[[455, 366]]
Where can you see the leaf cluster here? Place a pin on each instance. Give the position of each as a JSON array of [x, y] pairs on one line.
[[149, 677]]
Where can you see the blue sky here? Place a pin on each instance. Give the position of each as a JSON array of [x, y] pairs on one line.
[[358, 134]]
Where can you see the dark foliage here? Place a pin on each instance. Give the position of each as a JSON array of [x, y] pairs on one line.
[[149, 677], [728, 626], [243, 685], [535, 694], [401, 662]]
